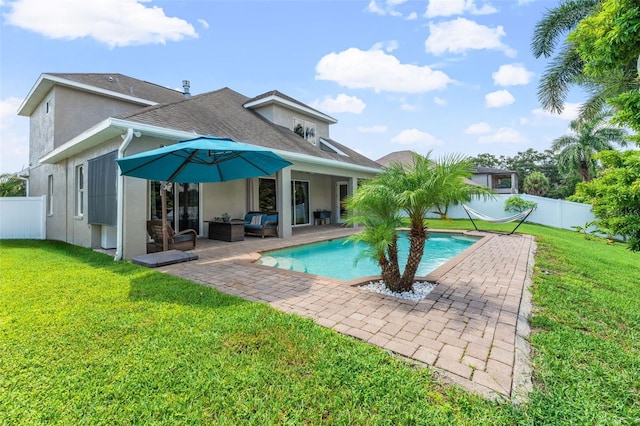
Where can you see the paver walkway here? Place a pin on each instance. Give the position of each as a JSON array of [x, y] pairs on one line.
[[472, 328]]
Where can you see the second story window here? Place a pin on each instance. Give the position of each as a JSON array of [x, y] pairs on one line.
[[305, 130]]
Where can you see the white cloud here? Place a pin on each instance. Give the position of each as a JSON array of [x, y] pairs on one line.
[[439, 101], [512, 75], [415, 137], [457, 7], [374, 69], [570, 112], [389, 46], [204, 23], [412, 16], [388, 8], [408, 107], [480, 128], [342, 103], [373, 129], [374, 8], [14, 134], [461, 34], [115, 23], [503, 135], [499, 99]]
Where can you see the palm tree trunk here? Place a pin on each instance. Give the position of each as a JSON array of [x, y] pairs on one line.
[[417, 239], [390, 268]]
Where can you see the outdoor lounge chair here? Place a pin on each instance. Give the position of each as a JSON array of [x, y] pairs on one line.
[[261, 224], [521, 217], [183, 240]]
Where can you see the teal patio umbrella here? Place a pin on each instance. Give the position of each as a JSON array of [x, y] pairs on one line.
[[203, 159]]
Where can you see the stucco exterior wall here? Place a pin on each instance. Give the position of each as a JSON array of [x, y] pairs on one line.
[[41, 129], [77, 111], [284, 117]]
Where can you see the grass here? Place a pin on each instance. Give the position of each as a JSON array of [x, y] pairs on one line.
[[85, 340]]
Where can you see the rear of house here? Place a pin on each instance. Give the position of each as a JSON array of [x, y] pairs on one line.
[[80, 124]]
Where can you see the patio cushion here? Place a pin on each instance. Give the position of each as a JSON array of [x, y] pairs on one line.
[[272, 219], [256, 219]]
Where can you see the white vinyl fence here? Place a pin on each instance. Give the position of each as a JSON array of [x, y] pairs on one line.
[[550, 212], [23, 217]]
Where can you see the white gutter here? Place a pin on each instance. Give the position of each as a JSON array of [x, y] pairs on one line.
[[293, 156], [120, 212]]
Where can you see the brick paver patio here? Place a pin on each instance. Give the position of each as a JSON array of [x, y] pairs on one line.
[[472, 328]]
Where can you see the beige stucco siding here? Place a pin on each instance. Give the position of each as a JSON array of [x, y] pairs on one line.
[[284, 117], [77, 111]]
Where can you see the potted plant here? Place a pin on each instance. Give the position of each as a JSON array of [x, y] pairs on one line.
[[225, 217]]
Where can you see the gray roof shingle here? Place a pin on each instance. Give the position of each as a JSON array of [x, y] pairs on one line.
[[221, 114], [124, 85]]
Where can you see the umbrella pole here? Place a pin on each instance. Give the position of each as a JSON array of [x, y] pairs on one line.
[[163, 197]]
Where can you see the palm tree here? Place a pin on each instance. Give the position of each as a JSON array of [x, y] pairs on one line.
[[536, 183], [566, 67], [12, 186], [576, 151], [410, 191]]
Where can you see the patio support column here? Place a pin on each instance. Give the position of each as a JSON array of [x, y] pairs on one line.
[[283, 203]]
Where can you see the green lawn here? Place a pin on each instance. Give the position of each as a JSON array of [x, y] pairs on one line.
[[85, 340]]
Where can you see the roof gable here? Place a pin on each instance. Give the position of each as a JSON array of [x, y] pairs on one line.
[[110, 85], [279, 98]]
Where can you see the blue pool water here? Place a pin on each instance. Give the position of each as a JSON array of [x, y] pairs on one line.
[[336, 258]]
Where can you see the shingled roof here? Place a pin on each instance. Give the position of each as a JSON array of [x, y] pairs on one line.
[[221, 113], [124, 85]]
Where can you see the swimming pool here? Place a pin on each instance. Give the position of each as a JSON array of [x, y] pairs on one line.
[[336, 258]]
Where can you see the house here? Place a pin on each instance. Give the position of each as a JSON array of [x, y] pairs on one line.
[[406, 157], [81, 123], [498, 180]]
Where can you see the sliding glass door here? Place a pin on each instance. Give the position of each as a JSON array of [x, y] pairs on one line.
[[186, 196], [299, 202]]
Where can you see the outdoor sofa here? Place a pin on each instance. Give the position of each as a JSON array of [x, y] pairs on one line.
[[261, 224]]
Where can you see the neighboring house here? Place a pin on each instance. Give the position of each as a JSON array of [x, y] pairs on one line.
[[499, 181], [406, 158], [80, 124]]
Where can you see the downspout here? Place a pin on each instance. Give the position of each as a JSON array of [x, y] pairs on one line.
[[120, 208], [26, 184]]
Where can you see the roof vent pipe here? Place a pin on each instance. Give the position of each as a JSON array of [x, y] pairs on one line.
[[185, 88]]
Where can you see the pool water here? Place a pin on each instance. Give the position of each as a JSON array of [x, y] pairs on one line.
[[337, 258]]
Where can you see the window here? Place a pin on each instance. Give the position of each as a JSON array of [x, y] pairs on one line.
[[80, 190], [305, 130], [50, 195]]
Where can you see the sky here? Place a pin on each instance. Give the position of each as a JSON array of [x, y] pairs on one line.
[[439, 76]]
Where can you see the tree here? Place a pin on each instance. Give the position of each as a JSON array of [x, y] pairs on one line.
[[576, 151], [486, 160], [607, 43], [566, 67], [536, 183], [615, 195], [407, 191], [12, 186]]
